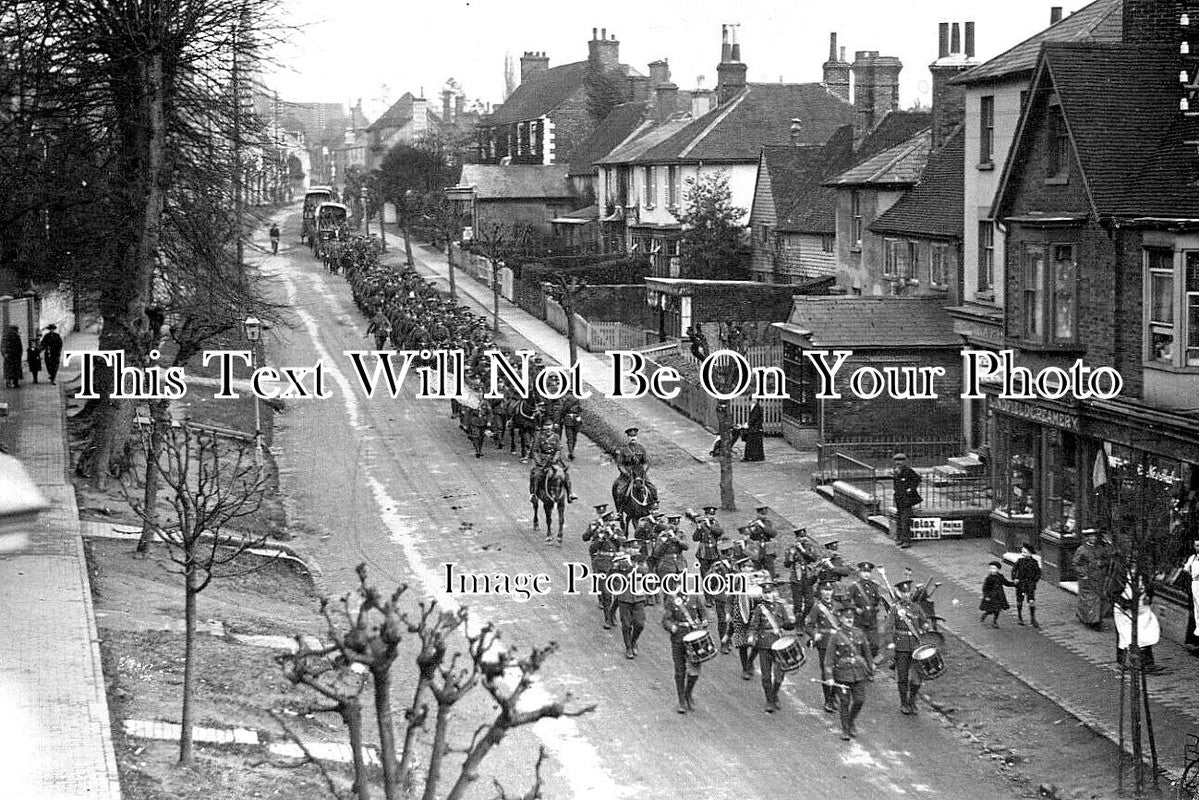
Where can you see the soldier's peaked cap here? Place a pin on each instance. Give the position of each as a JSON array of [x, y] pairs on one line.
[[903, 586], [865, 565], [724, 546], [631, 431], [601, 508], [674, 517], [846, 609], [800, 531], [760, 509], [831, 545], [710, 508]]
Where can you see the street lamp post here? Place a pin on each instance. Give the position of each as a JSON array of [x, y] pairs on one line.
[[253, 332]]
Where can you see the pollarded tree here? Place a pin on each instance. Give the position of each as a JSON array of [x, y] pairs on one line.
[[710, 248]]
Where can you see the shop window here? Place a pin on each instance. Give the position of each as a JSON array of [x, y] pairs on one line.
[[1061, 487], [1015, 450]]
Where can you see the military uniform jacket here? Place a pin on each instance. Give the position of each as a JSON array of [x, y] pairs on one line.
[[832, 569], [708, 532], [603, 547], [683, 615], [798, 559], [761, 631], [545, 448], [850, 656], [668, 554], [722, 566], [820, 624], [630, 457], [628, 595], [864, 595], [905, 632], [565, 407]]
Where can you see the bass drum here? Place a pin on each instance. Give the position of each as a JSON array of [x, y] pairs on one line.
[[928, 662], [788, 654], [699, 646]]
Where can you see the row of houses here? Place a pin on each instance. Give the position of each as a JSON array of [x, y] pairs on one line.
[[1046, 204]]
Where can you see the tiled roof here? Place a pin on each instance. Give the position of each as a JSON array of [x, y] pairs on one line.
[[796, 173], [934, 206], [1120, 104], [900, 165], [896, 127], [645, 136], [900, 322], [613, 130], [397, 115], [759, 115], [1101, 21], [515, 181], [540, 94]]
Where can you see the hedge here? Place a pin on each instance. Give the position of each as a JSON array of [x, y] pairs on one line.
[[615, 271]]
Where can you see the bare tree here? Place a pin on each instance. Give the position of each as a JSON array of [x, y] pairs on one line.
[[566, 291], [366, 629], [447, 222], [496, 241], [210, 484]]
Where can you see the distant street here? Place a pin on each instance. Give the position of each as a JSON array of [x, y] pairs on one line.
[[394, 484]]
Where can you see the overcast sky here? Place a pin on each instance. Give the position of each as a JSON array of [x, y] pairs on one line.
[[354, 48]]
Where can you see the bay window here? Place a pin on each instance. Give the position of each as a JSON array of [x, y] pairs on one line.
[[1171, 330], [1049, 286]]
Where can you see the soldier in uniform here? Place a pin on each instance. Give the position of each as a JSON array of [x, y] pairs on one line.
[[668, 548], [568, 417], [832, 568], [865, 599], [799, 559], [682, 615], [849, 665], [819, 625], [631, 460], [905, 623], [743, 613], [766, 625], [547, 451], [709, 534], [762, 533], [630, 603], [723, 601], [604, 545]]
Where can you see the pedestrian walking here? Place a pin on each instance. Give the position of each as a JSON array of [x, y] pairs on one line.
[[907, 496], [754, 433], [1026, 573], [994, 598], [12, 352], [1191, 568], [1149, 630], [51, 347], [274, 238], [33, 359]]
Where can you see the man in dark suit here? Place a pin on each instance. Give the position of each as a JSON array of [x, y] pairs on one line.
[[754, 432], [907, 481]]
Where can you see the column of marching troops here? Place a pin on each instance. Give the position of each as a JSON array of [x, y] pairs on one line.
[[837, 608], [839, 619]]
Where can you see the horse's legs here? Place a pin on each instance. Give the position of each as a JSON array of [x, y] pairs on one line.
[[572, 436], [536, 520], [561, 517]]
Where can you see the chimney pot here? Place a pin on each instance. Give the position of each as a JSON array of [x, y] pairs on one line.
[[594, 34], [796, 131], [735, 55], [842, 59], [943, 40], [969, 40], [955, 41], [1055, 15], [832, 47], [603, 33]]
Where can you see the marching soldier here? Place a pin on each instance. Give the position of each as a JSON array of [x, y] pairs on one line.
[[723, 566], [742, 615], [832, 568], [905, 623], [766, 625], [762, 533], [798, 559], [682, 615], [568, 416], [865, 600], [630, 603], [668, 548], [709, 534], [604, 545], [849, 668], [819, 625]]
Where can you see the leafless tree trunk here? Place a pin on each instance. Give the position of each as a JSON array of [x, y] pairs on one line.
[[725, 422]]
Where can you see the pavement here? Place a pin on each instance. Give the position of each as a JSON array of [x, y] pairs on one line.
[[55, 734], [1063, 660]]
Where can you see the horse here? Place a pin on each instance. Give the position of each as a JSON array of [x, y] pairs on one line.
[[524, 417], [635, 500], [551, 492]]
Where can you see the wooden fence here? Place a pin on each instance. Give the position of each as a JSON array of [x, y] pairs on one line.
[[695, 402]]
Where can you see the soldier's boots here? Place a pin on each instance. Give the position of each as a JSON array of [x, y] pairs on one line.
[[689, 694], [1032, 615], [680, 687]]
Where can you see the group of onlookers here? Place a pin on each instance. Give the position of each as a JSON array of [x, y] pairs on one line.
[[44, 352]]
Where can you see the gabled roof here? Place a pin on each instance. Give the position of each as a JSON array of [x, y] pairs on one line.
[[397, 116], [646, 135], [896, 322], [515, 181], [898, 166], [614, 129], [1120, 106], [934, 206], [758, 115], [540, 94], [801, 203], [1101, 21]]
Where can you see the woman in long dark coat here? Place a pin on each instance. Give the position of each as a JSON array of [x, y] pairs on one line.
[[994, 600], [754, 432], [13, 352]]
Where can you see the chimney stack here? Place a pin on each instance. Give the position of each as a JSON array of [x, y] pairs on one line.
[[949, 102], [955, 40], [604, 52], [659, 72], [876, 79], [836, 71], [533, 63], [1055, 15], [638, 88], [943, 40], [730, 73], [666, 100], [702, 101], [726, 49], [1155, 23], [796, 131]]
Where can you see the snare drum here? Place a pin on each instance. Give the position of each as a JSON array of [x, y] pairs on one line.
[[788, 654], [699, 646], [928, 662]]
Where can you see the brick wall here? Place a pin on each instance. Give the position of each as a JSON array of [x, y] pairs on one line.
[[572, 125], [1151, 22], [941, 418]]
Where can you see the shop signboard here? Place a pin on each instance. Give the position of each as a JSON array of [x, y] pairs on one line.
[[953, 527], [924, 528]]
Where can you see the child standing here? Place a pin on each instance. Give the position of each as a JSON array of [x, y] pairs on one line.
[[33, 358], [994, 599], [1026, 573]]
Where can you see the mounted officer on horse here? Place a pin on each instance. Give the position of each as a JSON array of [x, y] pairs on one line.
[[549, 479], [632, 493]]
